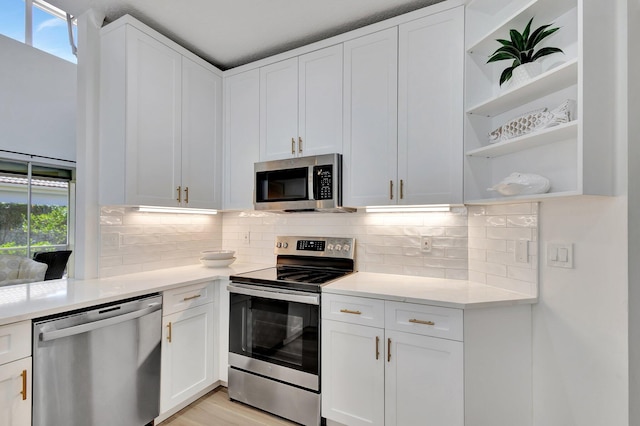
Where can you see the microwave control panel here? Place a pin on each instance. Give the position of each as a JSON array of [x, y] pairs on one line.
[[323, 182]]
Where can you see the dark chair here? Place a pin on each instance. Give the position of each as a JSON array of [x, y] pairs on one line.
[[56, 260]]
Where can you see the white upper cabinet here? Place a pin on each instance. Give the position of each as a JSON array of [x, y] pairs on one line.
[[577, 156], [403, 113], [201, 133], [160, 121], [431, 109], [301, 105], [242, 138], [370, 119]]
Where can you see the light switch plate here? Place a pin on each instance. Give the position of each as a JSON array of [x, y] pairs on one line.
[[425, 243], [522, 251], [560, 255]]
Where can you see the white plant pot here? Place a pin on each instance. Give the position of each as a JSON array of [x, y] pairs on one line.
[[525, 72]]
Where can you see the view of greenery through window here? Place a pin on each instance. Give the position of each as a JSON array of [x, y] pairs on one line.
[[43, 226]]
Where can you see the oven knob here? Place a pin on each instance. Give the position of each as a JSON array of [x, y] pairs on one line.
[[346, 247], [285, 245], [338, 247], [279, 245], [330, 247]]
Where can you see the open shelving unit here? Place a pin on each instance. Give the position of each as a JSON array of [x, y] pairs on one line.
[[577, 157]]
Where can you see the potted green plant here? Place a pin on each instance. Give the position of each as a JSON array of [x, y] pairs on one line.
[[521, 50]]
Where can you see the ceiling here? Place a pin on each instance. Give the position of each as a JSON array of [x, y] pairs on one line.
[[229, 33]]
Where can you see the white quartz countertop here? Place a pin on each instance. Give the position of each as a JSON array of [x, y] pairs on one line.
[[427, 291], [27, 301], [33, 300]]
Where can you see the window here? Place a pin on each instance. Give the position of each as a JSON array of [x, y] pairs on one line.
[[38, 24], [34, 208]]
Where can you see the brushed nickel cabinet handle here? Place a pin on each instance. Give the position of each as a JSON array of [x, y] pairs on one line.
[[186, 195], [377, 348], [179, 189], [401, 189], [293, 146], [391, 190], [24, 385], [417, 321], [169, 332], [299, 144], [348, 311], [191, 297], [388, 350]]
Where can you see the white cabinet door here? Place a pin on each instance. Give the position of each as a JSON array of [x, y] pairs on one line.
[[201, 136], [153, 107], [352, 373], [320, 102], [430, 108], [424, 382], [279, 110], [370, 119], [242, 136], [15, 393], [187, 354]]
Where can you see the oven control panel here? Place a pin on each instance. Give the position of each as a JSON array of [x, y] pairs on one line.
[[315, 246]]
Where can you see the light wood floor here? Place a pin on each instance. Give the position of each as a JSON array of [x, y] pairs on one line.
[[215, 409]]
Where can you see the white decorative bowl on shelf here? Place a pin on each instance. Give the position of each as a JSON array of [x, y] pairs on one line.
[[522, 184], [217, 254], [217, 263]]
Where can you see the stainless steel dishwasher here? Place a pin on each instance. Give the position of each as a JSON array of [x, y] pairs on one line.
[[98, 367]]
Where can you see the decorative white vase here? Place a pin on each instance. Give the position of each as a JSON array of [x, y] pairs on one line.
[[525, 72]]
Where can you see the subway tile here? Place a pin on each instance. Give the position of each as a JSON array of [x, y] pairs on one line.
[[477, 277], [456, 231], [509, 233], [477, 254], [505, 209], [110, 220], [523, 221], [457, 274]]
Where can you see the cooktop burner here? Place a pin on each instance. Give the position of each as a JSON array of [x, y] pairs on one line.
[[304, 263]]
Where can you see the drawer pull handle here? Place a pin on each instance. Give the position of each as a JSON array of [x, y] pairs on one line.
[[192, 297], [186, 195], [388, 350], [377, 348], [293, 146], [348, 311], [24, 385], [169, 332], [179, 199], [417, 321]]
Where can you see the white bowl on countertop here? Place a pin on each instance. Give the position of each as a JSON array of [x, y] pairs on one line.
[[217, 263], [217, 254]]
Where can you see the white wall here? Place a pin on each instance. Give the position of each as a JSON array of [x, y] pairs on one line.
[[580, 323], [37, 102]]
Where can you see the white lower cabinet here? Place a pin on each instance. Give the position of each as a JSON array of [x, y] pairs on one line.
[[413, 364], [187, 347], [423, 380], [15, 374], [352, 373], [15, 393]]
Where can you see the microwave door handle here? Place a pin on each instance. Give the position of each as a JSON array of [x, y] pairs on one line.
[[312, 184]]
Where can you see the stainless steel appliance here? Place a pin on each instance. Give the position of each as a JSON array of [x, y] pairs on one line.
[[312, 183], [98, 367], [274, 326]]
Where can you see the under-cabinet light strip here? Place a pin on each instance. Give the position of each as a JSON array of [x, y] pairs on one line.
[[150, 209], [408, 209]]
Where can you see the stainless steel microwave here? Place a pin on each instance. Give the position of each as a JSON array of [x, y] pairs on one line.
[[312, 183]]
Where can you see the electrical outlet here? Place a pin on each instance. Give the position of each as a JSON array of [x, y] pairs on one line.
[[425, 243], [246, 237]]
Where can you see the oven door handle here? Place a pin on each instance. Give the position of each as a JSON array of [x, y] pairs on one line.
[[307, 299]]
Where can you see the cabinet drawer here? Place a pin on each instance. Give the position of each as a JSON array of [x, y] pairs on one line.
[[187, 297], [15, 341], [355, 310], [424, 319]]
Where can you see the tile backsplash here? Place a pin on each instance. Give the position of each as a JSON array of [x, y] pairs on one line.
[[476, 242], [131, 241], [385, 242]]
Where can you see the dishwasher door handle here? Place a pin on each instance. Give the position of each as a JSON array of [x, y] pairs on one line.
[[83, 328]]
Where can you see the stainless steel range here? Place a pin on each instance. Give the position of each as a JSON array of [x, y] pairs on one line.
[[274, 326]]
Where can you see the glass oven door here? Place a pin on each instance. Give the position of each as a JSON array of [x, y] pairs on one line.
[[275, 333]]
